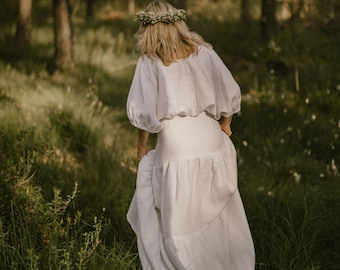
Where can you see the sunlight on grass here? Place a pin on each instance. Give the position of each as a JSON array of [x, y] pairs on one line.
[[59, 129], [101, 49]]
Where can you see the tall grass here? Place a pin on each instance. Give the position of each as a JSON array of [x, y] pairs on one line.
[[289, 178], [70, 128], [44, 235]]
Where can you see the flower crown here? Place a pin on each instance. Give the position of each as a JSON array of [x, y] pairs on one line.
[[149, 17]]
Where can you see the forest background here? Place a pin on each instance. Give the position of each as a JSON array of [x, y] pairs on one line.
[[67, 151]]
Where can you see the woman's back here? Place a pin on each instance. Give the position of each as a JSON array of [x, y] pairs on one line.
[[187, 87]]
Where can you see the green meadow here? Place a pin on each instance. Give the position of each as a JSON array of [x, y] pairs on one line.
[[68, 152]]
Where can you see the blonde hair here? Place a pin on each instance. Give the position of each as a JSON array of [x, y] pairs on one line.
[[167, 41]]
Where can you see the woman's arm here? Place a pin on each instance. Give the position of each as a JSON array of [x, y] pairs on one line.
[[225, 124], [142, 144]]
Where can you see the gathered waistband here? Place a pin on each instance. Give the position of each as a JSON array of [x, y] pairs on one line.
[[189, 136]]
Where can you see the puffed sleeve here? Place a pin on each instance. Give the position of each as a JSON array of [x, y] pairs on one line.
[[225, 89], [143, 97]]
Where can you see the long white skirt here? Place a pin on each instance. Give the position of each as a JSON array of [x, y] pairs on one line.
[[186, 211]]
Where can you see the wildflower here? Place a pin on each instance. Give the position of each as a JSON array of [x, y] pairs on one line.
[[245, 143], [313, 117], [273, 46], [270, 194], [334, 168], [297, 177], [307, 101]]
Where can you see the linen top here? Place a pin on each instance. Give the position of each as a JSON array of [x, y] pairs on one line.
[[187, 87]]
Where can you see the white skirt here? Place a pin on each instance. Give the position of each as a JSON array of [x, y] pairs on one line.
[[186, 211]]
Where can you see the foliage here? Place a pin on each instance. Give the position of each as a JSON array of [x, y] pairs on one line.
[[288, 177], [44, 235], [70, 128]]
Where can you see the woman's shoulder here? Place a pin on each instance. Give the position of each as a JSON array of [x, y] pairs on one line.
[[146, 60], [206, 55], [207, 51]]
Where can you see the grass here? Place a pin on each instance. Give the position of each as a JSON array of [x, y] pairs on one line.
[[67, 150], [289, 180]]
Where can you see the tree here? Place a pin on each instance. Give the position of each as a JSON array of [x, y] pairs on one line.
[[245, 15], [89, 8], [24, 23], [296, 8], [336, 11], [132, 6], [62, 35], [268, 19], [179, 3]]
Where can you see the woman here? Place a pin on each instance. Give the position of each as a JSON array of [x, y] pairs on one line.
[[186, 212]]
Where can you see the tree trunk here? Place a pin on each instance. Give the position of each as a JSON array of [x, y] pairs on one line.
[[62, 35], [296, 7], [245, 14], [336, 11], [132, 6], [268, 19], [24, 23], [179, 3], [89, 8]]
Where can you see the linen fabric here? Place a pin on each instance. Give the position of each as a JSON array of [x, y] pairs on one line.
[[186, 211], [187, 87]]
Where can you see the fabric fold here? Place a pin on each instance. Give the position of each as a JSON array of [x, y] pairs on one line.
[[143, 218], [205, 84], [178, 231]]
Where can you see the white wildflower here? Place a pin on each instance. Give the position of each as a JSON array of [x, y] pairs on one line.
[[334, 167], [297, 177], [270, 194]]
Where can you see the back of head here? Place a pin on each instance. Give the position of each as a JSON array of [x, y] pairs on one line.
[[163, 33], [160, 7]]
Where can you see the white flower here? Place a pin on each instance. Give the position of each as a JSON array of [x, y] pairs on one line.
[[297, 177], [334, 168], [149, 17], [270, 193]]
